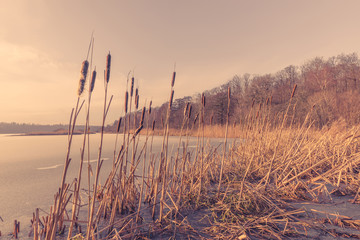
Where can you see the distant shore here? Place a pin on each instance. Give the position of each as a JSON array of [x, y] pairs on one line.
[[59, 132]]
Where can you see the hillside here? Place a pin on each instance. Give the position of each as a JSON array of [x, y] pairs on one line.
[[327, 89]]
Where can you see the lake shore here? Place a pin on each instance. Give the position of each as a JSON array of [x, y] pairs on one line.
[[55, 133]]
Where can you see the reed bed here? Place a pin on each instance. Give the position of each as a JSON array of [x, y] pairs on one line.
[[242, 189]]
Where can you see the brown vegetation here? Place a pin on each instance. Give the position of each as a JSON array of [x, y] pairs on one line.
[[243, 190]]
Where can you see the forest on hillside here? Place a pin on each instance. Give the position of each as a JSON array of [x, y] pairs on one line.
[[328, 90]]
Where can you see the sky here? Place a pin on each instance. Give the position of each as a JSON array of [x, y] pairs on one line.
[[44, 42]]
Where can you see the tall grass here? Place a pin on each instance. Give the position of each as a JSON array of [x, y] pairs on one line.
[[239, 188]]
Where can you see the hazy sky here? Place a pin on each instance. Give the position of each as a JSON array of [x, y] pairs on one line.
[[43, 43]]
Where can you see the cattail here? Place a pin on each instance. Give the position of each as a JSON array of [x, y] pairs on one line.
[[271, 100], [162, 122], [83, 74], [138, 130], [229, 92], [293, 91], [153, 125], [260, 105], [267, 101], [190, 110], [142, 116], [186, 108], [150, 107], [132, 87], [203, 99], [81, 87], [196, 117], [119, 124], [211, 119], [253, 102], [93, 77], [173, 79], [126, 101], [136, 101], [171, 98], [108, 65]]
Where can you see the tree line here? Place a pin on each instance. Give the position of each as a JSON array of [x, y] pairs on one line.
[[328, 90]]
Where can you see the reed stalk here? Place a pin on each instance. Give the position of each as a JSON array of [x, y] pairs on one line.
[[129, 128], [279, 137], [144, 160], [73, 118], [76, 209], [162, 176], [225, 141], [201, 126], [99, 161]]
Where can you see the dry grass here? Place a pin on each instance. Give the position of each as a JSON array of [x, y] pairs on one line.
[[239, 192]]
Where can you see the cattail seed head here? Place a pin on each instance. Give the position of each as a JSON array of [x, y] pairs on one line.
[[93, 78], [196, 117], [84, 69], [229, 92], [293, 91], [136, 101], [171, 98], [153, 125], [136, 98], [267, 101], [137, 131], [203, 99], [126, 101], [119, 124], [83, 74], [253, 102], [186, 108], [108, 66], [81, 86], [132, 87], [150, 107], [142, 116], [190, 110], [173, 79]]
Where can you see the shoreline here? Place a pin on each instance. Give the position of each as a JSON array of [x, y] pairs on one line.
[[47, 134]]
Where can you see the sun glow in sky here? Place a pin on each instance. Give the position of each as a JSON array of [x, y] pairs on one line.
[[43, 43]]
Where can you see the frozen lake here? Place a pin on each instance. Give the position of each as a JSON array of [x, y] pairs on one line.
[[31, 169]]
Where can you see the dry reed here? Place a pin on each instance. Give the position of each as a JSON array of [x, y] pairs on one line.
[[239, 192]]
